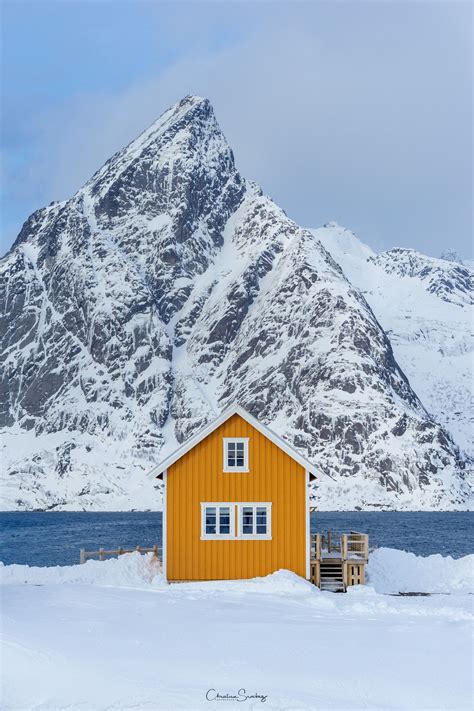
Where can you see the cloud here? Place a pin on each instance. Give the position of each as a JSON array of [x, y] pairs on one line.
[[354, 112]]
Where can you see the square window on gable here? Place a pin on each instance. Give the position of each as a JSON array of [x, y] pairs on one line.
[[236, 454]]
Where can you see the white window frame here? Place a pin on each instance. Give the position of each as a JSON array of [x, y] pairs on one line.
[[217, 536], [236, 533], [245, 441], [254, 536], [226, 441]]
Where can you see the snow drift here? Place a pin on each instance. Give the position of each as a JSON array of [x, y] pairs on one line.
[[128, 570], [389, 571], [393, 571]]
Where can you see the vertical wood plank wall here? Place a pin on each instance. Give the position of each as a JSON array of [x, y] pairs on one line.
[[198, 477]]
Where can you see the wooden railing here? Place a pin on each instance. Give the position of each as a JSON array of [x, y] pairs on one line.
[[354, 545], [101, 554], [349, 545]]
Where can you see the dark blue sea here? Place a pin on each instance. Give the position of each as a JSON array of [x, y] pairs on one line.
[[54, 538]]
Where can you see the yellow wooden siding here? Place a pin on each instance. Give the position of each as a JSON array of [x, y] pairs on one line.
[[198, 477]]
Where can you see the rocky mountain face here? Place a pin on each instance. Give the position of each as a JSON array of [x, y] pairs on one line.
[[167, 288], [446, 279], [425, 307]]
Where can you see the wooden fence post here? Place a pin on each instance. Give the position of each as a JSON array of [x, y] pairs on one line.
[[101, 554], [82, 556]]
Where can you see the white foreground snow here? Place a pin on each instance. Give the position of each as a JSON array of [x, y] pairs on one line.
[[113, 635]]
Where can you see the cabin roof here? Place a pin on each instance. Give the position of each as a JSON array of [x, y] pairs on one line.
[[158, 470]]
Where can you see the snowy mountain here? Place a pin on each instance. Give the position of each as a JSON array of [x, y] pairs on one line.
[[449, 281], [425, 307], [167, 288]]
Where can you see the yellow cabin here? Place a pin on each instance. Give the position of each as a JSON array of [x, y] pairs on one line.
[[236, 503]]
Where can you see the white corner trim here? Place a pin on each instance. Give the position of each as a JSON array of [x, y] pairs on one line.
[[164, 524], [225, 442], [308, 530]]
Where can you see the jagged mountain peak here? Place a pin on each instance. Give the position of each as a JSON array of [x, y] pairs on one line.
[[182, 156]]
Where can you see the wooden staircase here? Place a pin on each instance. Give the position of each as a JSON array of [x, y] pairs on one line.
[[338, 564], [331, 575]]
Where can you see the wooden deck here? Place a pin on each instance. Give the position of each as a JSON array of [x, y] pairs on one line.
[[337, 562]]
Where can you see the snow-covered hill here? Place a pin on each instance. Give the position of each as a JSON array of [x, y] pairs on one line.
[[165, 289], [425, 307]]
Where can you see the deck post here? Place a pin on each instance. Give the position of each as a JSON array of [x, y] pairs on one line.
[[317, 546], [82, 556], [344, 546]]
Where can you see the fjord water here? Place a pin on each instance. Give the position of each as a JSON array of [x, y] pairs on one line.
[[54, 538]]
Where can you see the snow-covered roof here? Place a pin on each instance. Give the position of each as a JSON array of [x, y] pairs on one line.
[[225, 415]]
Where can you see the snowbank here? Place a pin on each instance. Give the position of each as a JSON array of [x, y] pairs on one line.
[[389, 571], [282, 582], [129, 570], [393, 571]]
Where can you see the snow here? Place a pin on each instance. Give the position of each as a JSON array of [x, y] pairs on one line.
[[393, 571], [130, 569], [114, 635]]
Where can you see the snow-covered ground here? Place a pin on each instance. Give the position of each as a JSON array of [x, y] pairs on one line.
[[113, 635]]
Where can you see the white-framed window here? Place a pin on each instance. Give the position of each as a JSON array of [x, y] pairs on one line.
[[217, 520], [255, 520], [236, 454]]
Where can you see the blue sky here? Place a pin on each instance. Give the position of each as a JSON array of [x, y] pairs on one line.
[[358, 112]]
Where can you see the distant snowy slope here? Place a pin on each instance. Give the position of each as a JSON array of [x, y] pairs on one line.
[[425, 306]]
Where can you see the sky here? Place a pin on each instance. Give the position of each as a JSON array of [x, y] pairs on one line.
[[354, 112]]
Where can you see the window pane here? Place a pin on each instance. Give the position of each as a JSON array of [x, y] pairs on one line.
[[240, 454], [211, 520], [261, 520], [224, 519], [247, 520], [231, 454]]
